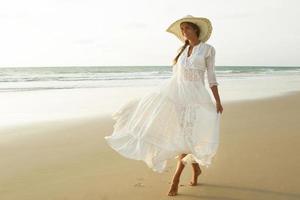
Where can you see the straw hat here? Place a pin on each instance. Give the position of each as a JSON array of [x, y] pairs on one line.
[[203, 23]]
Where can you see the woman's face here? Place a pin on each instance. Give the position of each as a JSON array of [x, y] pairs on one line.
[[187, 31]]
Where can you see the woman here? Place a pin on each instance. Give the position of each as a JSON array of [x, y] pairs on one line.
[[179, 118]]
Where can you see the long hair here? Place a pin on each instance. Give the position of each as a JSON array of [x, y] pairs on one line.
[[186, 43]]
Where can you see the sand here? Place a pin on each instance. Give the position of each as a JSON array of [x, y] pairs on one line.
[[258, 158]]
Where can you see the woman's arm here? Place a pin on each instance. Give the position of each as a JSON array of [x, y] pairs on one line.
[[211, 76], [215, 92]]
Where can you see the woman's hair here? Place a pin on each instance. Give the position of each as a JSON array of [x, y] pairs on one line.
[[181, 49]]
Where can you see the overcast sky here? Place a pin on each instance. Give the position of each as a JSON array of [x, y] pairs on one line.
[[133, 32]]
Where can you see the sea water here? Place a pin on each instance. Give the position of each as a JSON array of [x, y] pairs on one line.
[[30, 94]]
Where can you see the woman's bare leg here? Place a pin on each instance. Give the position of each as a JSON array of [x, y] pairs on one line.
[[175, 181], [197, 172]]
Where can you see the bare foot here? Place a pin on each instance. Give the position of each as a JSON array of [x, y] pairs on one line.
[[197, 172], [174, 189]]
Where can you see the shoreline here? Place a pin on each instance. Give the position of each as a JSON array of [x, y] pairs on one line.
[[95, 116]]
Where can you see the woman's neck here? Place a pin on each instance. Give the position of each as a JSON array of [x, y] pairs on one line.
[[194, 42]]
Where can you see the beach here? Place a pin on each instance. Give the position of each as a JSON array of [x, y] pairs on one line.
[[258, 158], [71, 72]]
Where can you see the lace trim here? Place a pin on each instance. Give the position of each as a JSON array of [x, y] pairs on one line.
[[191, 74]]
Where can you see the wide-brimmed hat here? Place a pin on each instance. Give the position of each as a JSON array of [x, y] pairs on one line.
[[203, 23]]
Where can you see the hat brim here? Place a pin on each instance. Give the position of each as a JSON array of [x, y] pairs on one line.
[[203, 23]]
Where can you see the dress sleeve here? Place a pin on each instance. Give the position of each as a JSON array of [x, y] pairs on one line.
[[210, 65]]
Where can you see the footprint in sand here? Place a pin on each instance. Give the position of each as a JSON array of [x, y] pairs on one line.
[[139, 185]]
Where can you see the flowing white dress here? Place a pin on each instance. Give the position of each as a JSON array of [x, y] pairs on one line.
[[177, 117]]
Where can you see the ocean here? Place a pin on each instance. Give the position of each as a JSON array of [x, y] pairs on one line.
[[48, 78], [33, 94]]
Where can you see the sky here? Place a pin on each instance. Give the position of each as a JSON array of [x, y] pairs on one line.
[[37, 33]]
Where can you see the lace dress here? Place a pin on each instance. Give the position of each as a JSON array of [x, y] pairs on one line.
[[177, 117]]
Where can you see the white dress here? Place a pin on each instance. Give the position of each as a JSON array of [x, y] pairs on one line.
[[177, 117]]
